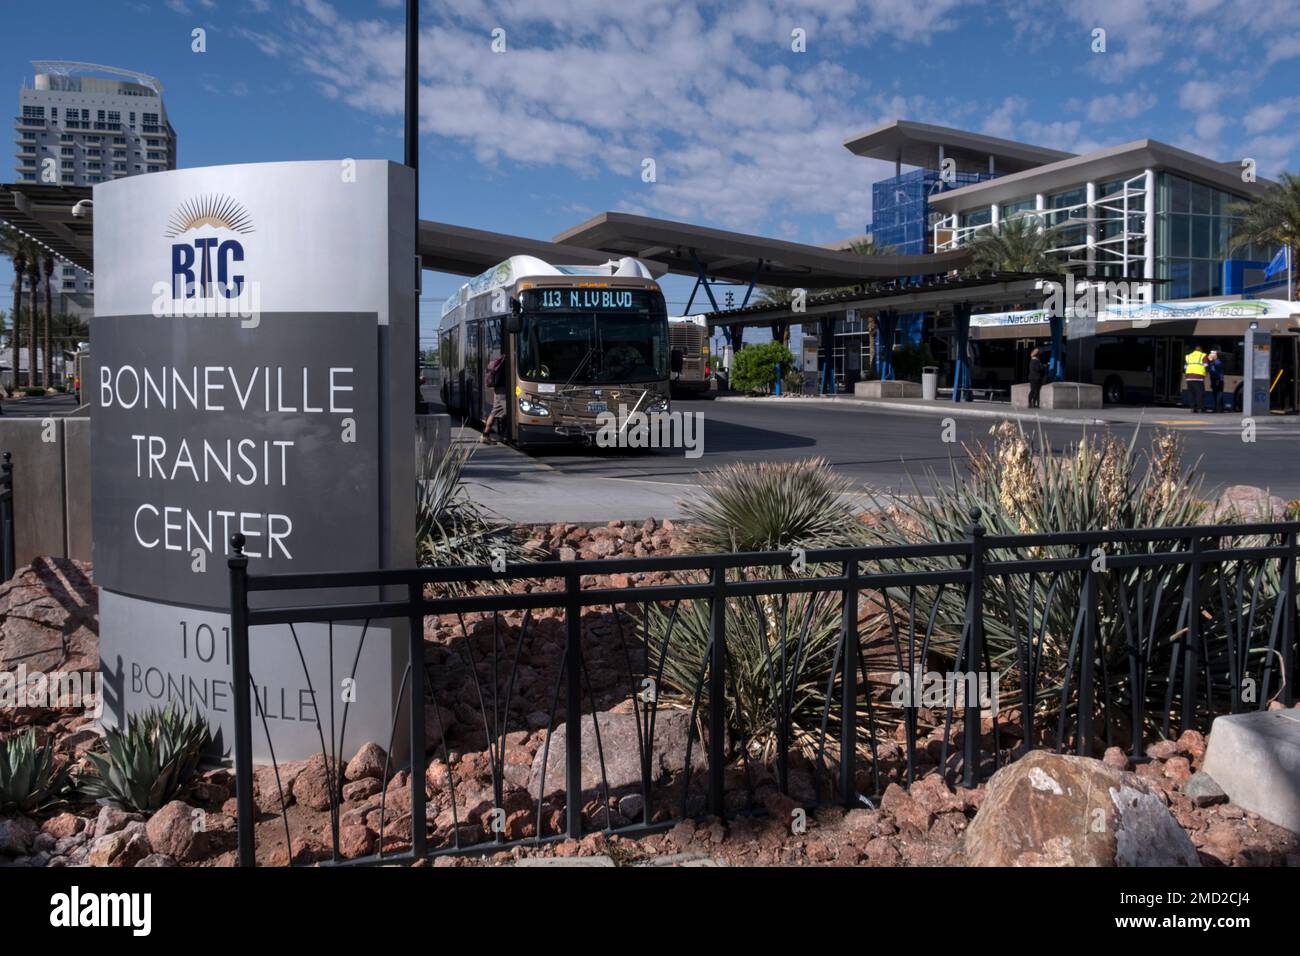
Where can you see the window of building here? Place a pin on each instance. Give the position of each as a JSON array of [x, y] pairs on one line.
[[977, 217], [34, 112], [1194, 230], [1018, 207]]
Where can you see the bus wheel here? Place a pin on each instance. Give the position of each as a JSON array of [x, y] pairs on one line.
[[1238, 400], [1113, 391]]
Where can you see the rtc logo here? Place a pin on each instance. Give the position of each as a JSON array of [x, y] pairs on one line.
[[204, 264]]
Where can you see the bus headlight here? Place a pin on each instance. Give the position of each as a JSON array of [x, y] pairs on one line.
[[529, 406], [657, 405]]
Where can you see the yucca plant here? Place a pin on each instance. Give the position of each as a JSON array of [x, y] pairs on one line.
[[772, 507], [1020, 486], [29, 779], [451, 528], [146, 765], [781, 647]]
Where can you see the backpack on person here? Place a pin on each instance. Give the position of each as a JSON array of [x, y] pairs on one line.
[[496, 372]]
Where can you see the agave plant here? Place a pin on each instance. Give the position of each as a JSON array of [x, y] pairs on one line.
[[451, 528], [146, 765], [29, 779]]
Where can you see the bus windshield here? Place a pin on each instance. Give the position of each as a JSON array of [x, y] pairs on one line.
[[584, 348]]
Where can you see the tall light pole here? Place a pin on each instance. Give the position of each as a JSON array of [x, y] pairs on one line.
[[413, 161]]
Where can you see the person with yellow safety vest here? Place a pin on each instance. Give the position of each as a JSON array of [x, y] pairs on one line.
[[1194, 371]]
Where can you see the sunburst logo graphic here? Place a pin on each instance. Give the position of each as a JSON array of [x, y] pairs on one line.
[[218, 211]]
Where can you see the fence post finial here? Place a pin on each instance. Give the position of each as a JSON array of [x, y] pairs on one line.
[[237, 542]]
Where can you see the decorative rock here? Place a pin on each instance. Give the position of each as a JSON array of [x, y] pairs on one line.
[[1203, 790], [1115, 757], [312, 787], [63, 825], [1248, 503], [1192, 743], [1255, 758], [357, 841], [156, 859], [17, 835], [176, 831], [111, 819], [1178, 769], [1050, 809], [122, 848], [618, 744], [369, 762], [361, 789], [905, 810], [1162, 749], [49, 617]]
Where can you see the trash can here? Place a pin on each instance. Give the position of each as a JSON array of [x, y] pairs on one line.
[[930, 383]]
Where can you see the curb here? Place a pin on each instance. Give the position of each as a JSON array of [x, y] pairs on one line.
[[957, 411]]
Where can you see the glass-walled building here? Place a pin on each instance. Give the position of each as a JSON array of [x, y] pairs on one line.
[[1144, 210]]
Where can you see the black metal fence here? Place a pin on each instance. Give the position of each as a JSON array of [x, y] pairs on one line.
[[8, 565], [822, 675]]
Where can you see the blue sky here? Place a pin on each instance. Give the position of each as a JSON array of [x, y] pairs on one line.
[[745, 133]]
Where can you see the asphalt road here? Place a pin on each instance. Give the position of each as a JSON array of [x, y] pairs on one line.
[[878, 449], [39, 407]]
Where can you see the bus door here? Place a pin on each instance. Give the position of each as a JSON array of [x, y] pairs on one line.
[[1168, 370], [1282, 395]]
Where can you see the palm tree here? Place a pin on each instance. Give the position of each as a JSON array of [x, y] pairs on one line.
[[1015, 245], [47, 267], [1271, 220], [18, 248]]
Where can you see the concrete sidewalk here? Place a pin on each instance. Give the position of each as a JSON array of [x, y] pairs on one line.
[[1108, 415]]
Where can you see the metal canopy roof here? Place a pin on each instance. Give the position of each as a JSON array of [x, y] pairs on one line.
[[937, 295], [735, 256], [464, 251], [917, 144], [45, 214]]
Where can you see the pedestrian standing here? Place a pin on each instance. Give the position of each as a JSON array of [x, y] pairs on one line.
[[1194, 372], [1214, 369], [1036, 373]]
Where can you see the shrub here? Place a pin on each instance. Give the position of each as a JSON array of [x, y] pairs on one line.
[[33, 391], [771, 507], [781, 648], [1099, 483], [910, 359], [451, 528], [29, 780], [754, 367], [148, 764]]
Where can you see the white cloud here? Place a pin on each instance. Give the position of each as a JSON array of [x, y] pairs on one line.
[[1200, 95]]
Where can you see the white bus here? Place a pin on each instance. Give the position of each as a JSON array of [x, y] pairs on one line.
[[688, 336], [577, 340]]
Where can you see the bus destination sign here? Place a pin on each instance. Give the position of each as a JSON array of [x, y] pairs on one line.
[[589, 300]]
